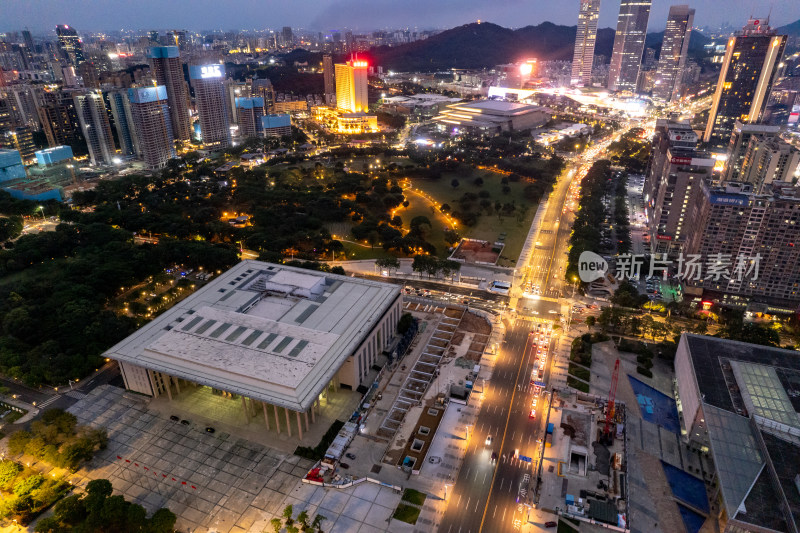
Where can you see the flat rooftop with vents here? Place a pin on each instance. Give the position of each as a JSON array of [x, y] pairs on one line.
[[275, 334]]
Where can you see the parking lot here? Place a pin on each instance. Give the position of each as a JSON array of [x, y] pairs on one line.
[[215, 482]]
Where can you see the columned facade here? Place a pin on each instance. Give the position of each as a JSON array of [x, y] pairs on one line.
[[275, 418]]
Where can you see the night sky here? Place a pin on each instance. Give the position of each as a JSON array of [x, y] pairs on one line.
[[41, 16]]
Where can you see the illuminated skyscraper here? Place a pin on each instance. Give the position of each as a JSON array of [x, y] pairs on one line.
[[745, 81], [330, 82], [673, 53], [583, 58], [167, 69], [152, 125], [93, 117], [69, 44], [209, 94], [351, 86], [626, 58]]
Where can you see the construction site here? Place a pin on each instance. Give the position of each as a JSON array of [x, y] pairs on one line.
[[584, 460]]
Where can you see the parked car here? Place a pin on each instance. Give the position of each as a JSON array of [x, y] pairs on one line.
[[350, 456], [209, 429], [550, 524], [185, 422], [344, 465], [174, 418]]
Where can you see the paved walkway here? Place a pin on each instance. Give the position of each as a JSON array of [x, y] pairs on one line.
[[232, 485]]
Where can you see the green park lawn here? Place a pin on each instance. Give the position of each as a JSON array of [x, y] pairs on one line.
[[488, 227], [406, 513]]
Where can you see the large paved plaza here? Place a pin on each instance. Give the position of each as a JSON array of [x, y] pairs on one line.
[[231, 484]]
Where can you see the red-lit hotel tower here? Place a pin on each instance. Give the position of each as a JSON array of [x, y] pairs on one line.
[[167, 68], [351, 86]]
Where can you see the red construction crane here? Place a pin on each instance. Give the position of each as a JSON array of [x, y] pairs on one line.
[[611, 405]]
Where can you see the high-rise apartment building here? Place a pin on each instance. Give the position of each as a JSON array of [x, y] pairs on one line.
[[328, 73], [676, 202], [69, 44], [736, 222], [262, 88], [120, 106], [93, 117], [674, 49], [748, 71], [668, 134], [209, 94], [351, 86], [58, 117], [152, 124], [286, 36], [626, 58], [737, 146], [769, 160], [249, 111], [583, 57], [167, 69]]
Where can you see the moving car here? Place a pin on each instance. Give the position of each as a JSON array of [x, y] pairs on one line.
[[489, 440]]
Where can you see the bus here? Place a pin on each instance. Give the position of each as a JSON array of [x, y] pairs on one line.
[[500, 287]]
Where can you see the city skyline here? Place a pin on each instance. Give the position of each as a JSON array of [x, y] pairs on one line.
[[42, 16]]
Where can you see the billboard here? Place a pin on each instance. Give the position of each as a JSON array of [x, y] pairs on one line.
[[203, 72], [728, 199]]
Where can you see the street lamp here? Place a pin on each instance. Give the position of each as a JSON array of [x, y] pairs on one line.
[[42, 208]]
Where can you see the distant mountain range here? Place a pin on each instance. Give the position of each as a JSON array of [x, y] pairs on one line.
[[483, 45]]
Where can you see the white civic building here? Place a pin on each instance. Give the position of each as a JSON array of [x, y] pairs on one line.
[[275, 335]]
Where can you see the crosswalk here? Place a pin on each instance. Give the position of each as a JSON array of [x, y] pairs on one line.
[[74, 394], [47, 402]]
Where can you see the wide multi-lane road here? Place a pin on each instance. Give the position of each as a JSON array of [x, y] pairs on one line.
[[486, 495]]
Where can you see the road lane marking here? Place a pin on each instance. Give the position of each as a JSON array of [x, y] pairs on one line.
[[505, 430]]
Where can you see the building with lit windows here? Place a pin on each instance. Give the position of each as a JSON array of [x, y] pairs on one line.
[[583, 57], [152, 125], [21, 140], [167, 68], [769, 160], [95, 126], [336, 121], [739, 406], [209, 95], [249, 112], [351, 86], [626, 56], [69, 44], [738, 221], [676, 198], [674, 50], [278, 337], [739, 141], [748, 71]]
